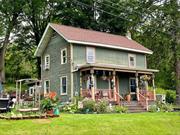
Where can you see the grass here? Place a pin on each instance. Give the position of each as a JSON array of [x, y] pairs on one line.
[[97, 124]]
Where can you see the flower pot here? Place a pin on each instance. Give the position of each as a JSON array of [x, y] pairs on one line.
[[128, 98], [50, 112]]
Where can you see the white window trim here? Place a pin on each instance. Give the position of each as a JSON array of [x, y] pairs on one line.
[[94, 52], [134, 56], [65, 49], [45, 92], [61, 85], [46, 66]]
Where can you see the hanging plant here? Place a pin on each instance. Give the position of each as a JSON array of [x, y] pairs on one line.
[[145, 78]]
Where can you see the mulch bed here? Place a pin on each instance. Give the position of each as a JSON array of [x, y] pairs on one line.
[[27, 117]]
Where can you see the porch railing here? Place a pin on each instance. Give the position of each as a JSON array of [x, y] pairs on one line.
[[143, 101], [148, 94], [99, 93]]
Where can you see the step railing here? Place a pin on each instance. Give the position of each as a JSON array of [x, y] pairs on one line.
[[143, 101], [121, 100]]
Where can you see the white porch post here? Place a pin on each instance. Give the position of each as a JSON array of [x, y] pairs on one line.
[[137, 86], [114, 85], [92, 84], [153, 84]]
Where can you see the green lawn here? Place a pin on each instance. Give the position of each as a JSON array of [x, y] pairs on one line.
[[97, 124]]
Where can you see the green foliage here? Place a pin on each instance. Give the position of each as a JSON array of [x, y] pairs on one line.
[[120, 109], [101, 106], [152, 108], [70, 108], [164, 107], [46, 104], [88, 105], [170, 94]]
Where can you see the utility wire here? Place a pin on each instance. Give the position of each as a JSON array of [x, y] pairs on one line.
[[158, 20], [96, 8]]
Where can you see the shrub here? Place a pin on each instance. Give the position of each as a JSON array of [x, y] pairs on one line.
[[120, 109], [164, 107], [88, 105], [101, 106], [153, 108], [167, 108], [170, 96], [70, 108]]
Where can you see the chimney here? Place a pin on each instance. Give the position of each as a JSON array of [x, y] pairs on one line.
[[128, 35]]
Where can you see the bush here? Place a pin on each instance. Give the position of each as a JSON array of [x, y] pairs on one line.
[[120, 109], [153, 108], [167, 108], [70, 108], [164, 107], [88, 105], [101, 106], [170, 96]]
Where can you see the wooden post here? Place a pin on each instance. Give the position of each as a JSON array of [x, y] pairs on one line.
[[137, 86], [114, 85], [17, 91], [109, 81], [153, 84], [92, 84], [81, 84]]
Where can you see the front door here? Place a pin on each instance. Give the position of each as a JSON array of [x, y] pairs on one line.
[[132, 83]]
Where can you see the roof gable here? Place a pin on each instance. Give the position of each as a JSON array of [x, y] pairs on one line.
[[94, 38]]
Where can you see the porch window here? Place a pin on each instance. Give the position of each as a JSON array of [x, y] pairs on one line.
[[47, 62], [64, 56], [46, 86], [63, 85], [90, 55], [132, 60]]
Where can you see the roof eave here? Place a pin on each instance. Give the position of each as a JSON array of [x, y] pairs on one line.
[[109, 46]]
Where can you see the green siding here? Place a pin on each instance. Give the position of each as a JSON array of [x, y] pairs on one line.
[[140, 61], [107, 56], [111, 56], [102, 84], [76, 82], [79, 54], [56, 68]]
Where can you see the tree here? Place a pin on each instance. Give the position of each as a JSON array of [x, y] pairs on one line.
[[9, 13]]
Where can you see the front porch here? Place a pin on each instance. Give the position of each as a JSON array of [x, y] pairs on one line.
[[117, 84]]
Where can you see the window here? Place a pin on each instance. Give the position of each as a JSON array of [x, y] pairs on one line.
[[132, 60], [63, 85], [64, 56], [47, 62], [90, 55], [46, 86]]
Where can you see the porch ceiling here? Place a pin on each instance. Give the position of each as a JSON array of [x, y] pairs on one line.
[[119, 68]]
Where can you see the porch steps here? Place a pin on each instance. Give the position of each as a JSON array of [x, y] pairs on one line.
[[134, 107]]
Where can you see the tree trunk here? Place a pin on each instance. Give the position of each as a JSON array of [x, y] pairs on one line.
[[2, 70], [39, 67], [178, 82], [2, 57]]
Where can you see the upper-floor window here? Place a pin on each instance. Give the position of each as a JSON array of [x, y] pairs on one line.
[[132, 60], [90, 54], [64, 56], [63, 85], [46, 86], [47, 62]]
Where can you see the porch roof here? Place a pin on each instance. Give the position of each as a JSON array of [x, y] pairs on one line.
[[119, 68]]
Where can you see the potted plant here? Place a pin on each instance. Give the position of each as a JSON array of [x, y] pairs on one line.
[[48, 103], [128, 97]]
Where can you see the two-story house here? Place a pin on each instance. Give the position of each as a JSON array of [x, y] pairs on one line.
[[81, 62]]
